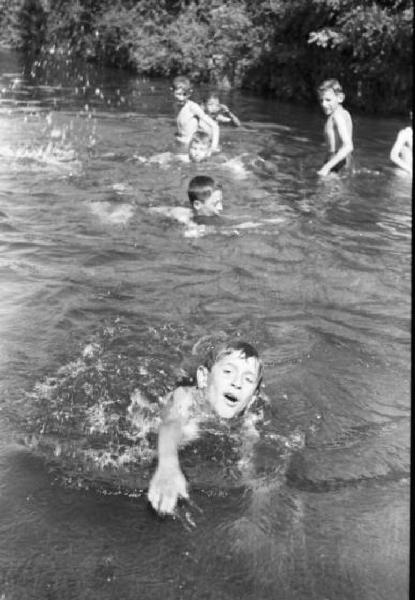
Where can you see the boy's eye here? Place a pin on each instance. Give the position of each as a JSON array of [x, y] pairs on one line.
[[249, 379]]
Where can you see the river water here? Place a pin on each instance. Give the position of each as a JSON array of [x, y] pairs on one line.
[[102, 300]]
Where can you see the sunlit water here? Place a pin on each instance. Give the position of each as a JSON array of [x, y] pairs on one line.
[[104, 303]]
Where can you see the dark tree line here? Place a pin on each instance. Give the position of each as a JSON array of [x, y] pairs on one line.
[[283, 47]]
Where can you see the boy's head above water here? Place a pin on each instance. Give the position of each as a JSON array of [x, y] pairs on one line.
[[330, 95], [212, 103], [230, 378], [182, 89], [205, 196], [200, 146]]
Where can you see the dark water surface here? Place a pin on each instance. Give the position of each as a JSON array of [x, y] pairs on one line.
[[101, 297]]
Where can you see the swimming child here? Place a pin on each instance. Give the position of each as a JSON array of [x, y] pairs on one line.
[[338, 128], [401, 153], [200, 147], [219, 112], [205, 197], [190, 116], [226, 386]]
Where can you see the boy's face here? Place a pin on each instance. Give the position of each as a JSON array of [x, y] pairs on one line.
[[231, 384], [329, 101], [211, 206], [213, 106], [198, 151], [181, 95]]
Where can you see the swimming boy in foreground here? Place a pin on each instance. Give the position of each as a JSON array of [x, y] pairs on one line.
[[338, 128], [190, 116], [219, 112], [227, 384]]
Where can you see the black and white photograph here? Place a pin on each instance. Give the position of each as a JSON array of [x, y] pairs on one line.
[[205, 299]]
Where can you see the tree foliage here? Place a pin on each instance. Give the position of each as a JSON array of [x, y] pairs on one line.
[[280, 46]]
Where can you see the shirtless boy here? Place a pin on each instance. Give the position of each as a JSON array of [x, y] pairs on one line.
[[190, 116], [205, 198], [219, 112], [401, 153], [227, 384], [338, 129]]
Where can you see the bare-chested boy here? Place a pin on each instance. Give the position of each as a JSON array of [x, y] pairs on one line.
[[226, 385], [401, 153], [338, 128], [191, 117]]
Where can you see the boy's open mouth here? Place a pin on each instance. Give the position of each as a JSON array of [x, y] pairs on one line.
[[231, 398]]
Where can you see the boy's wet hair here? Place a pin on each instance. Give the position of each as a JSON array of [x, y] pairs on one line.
[[182, 82], [330, 84], [212, 94], [201, 188], [246, 350], [201, 136]]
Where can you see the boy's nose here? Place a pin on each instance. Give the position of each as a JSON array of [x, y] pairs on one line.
[[237, 381]]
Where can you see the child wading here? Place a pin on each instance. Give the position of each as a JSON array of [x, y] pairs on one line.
[[338, 129]]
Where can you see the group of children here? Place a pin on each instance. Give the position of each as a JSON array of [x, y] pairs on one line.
[[229, 381]]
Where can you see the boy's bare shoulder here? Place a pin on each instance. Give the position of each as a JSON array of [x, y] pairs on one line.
[[406, 134], [342, 114], [195, 107], [181, 214]]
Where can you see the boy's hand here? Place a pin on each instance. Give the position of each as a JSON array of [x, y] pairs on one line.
[[166, 486], [324, 171]]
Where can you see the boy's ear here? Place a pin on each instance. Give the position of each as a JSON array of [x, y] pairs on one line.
[[340, 96], [197, 204], [202, 377]]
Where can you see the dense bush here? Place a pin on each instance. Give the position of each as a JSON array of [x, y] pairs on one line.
[[281, 46]]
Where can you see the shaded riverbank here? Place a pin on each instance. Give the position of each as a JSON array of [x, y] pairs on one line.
[[284, 49]]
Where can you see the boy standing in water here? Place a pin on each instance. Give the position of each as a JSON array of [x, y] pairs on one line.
[[401, 153], [338, 129], [190, 116], [227, 384]]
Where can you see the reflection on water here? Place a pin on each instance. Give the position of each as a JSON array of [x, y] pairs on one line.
[[102, 302]]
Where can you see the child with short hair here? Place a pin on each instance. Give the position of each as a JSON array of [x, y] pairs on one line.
[[190, 116], [199, 147], [227, 384], [338, 129], [219, 112], [205, 197], [401, 152]]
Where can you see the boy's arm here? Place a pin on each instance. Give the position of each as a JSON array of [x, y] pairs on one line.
[[346, 144], [168, 482], [395, 154], [214, 127], [229, 114]]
